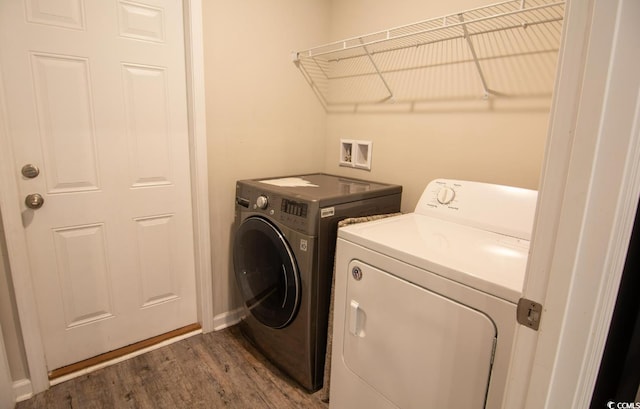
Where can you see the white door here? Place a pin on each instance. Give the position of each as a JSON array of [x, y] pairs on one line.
[[96, 100]]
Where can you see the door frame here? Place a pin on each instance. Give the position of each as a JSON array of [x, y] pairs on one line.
[[7, 399], [11, 210], [586, 207]]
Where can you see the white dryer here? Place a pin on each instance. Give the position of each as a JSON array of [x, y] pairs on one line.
[[425, 302]]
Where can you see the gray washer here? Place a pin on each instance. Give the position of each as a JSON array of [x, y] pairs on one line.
[[283, 251]]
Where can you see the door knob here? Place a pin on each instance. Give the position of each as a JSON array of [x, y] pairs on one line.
[[34, 201], [30, 171]]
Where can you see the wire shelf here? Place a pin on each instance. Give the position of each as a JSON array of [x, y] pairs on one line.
[[507, 49]]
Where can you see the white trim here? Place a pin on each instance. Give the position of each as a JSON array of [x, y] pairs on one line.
[[11, 213], [22, 390], [123, 358], [589, 198], [617, 247], [7, 399], [18, 256], [199, 165], [611, 204], [561, 131], [227, 319]]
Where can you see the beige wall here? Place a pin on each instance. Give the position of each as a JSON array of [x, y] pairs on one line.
[[412, 149], [479, 140], [262, 119]]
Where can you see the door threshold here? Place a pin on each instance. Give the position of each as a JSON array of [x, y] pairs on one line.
[[122, 354]]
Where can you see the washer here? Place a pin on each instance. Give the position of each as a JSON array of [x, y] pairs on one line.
[[283, 261], [425, 311]]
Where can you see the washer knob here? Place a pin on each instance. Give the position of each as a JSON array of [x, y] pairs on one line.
[[446, 195], [262, 202]]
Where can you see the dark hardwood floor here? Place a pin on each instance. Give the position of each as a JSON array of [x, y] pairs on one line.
[[215, 370]]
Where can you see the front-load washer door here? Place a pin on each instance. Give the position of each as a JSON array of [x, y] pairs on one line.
[[266, 272]]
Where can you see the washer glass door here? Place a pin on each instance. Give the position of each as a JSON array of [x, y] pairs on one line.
[[266, 272]]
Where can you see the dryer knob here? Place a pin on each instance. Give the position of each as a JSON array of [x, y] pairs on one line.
[[262, 202], [446, 195]]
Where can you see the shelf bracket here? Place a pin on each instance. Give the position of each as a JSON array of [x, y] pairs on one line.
[[475, 57], [375, 66], [296, 60]]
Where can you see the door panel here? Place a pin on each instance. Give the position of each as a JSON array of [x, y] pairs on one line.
[[141, 22], [145, 97], [157, 270], [96, 98], [60, 13], [62, 94], [83, 273]]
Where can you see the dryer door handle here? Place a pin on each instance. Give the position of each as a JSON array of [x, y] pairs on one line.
[[355, 318]]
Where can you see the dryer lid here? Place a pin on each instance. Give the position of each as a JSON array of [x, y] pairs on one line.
[[489, 262]]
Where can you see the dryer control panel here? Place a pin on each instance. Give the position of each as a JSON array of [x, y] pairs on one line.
[[502, 209], [441, 194]]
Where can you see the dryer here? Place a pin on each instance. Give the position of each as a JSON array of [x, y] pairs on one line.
[[425, 302], [283, 250]]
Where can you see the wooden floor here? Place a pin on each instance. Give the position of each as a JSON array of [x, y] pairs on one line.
[[215, 370]]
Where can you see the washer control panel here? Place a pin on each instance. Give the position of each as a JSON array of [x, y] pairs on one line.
[[295, 208], [294, 213]]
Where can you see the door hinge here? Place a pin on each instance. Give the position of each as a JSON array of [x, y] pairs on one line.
[[529, 313]]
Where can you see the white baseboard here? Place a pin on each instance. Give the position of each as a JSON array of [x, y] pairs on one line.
[[227, 319], [22, 390]]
